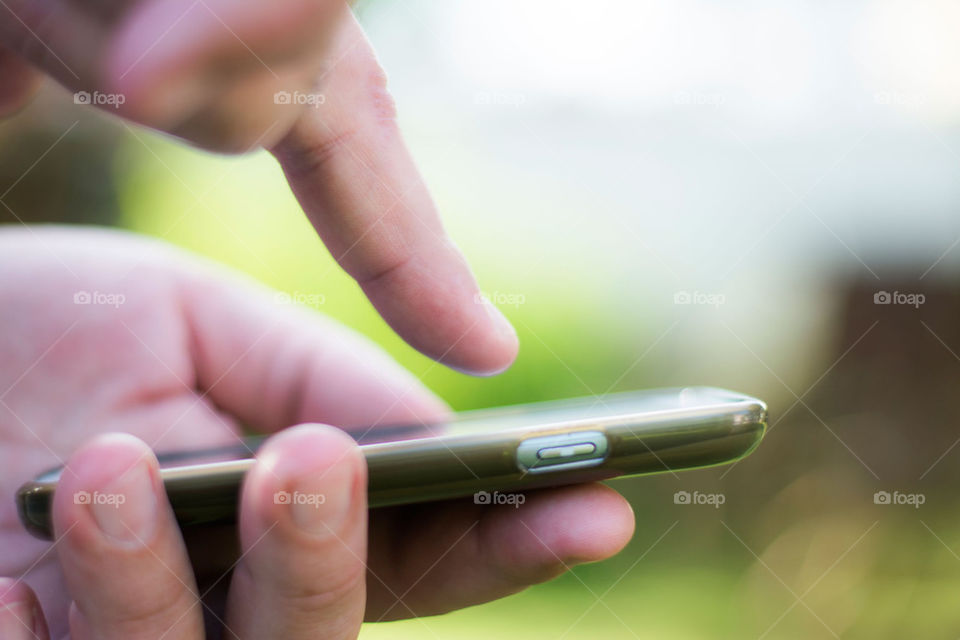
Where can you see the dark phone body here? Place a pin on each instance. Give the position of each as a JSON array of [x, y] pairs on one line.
[[493, 450]]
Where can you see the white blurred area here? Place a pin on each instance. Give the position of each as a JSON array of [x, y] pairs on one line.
[[740, 147]]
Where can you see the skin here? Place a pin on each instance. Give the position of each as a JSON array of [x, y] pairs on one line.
[[194, 352], [191, 353], [209, 74]]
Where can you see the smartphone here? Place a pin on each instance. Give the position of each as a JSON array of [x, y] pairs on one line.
[[486, 453]]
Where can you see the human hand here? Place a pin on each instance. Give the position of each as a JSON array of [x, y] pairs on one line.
[[180, 354], [210, 71]]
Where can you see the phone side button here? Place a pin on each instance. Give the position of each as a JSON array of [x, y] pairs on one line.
[[568, 451], [561, 451]]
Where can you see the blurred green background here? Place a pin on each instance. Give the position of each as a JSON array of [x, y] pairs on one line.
[[787, 163]]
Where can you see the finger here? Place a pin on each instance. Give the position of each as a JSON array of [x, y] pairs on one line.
[[275, 365], [303, 530], [457, 554], [18, 83], [355, 179], [174, 60], [119, 547], [20, 615], [59, 38]]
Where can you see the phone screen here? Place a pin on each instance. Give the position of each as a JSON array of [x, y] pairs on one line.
[[586, 408]]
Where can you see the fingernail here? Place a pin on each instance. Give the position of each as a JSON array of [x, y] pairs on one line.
[[17, 621], [319, 504], [126, 509]]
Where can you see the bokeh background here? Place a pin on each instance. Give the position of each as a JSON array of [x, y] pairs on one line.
[[777, 166]]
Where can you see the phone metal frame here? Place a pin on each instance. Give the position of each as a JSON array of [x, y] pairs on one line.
[[425, 469]]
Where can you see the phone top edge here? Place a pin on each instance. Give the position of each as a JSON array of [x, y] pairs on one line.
[[723, 396], [731, 403], [753, 409]]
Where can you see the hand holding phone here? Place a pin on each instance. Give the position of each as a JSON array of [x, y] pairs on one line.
[[189, 355]]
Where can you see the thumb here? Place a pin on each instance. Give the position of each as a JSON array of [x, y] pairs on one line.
[[303, 531]]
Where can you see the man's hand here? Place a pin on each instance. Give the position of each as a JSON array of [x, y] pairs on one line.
[[104, 332], [297, 77]]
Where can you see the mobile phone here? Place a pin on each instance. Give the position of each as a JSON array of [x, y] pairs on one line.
[[483, 452]]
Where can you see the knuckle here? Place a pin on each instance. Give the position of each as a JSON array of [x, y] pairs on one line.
[[359, 117], [133, 611], [306, 159], [322, 593], [381, 101]]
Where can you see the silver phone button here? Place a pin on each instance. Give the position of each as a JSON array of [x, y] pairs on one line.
[[568, 451], [562, 451]]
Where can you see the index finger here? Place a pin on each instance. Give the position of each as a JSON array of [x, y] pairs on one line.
[[349, 168]]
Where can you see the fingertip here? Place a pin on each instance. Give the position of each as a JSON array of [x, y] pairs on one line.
[[303, 532], [310, 477], [117, 444], [307, 447], [492, 351], [444, 316], [120, 551], [110, 471], [14, 593], [103, 458], [607, 529], [20, 613], [571, 525]]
